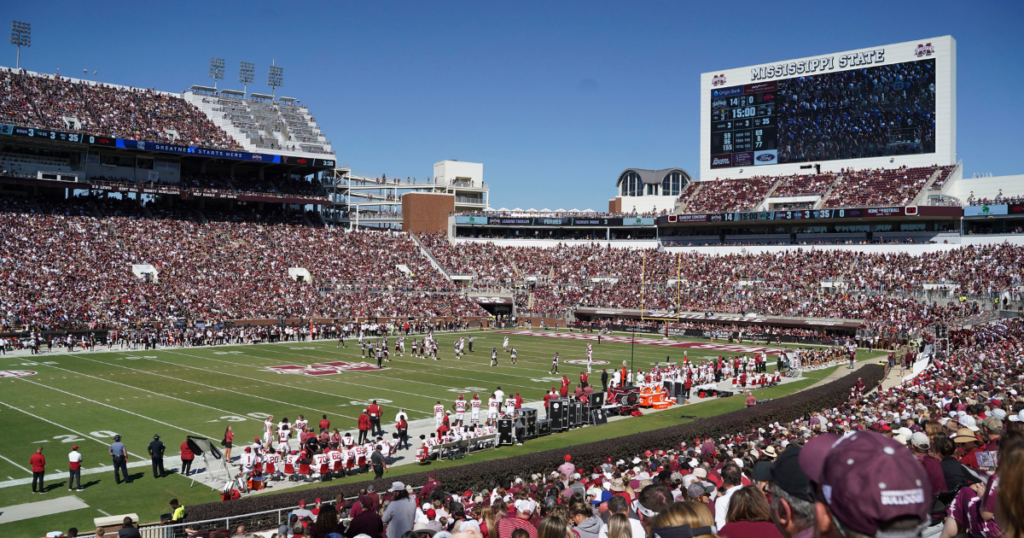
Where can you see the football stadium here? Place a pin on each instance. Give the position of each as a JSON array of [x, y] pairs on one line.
[[815, 333]]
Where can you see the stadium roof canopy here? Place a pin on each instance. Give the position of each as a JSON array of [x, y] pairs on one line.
[[233, 92], [653, 177]]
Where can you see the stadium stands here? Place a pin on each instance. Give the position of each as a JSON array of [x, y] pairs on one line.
[[232, 266], [787, 284], [55, 102], [729, 195], [803, 185], [934, 430], [265, 124], [865, 188]]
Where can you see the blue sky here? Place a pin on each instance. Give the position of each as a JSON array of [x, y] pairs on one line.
[[555, 98]]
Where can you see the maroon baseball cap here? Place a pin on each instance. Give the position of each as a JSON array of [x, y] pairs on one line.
[[867, 479]]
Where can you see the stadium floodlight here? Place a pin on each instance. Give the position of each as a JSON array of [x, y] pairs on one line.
[[21, 36], [246, 74], [275, 79], [216, 70]]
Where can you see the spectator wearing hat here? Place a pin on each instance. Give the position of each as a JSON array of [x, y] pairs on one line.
[[749, 516], [75, 469], [864, 484], [567, 468], [119, 453], [700, 492], [792, 502], [921, 447], [156, 453], [38, 462], [400, 515], [992, 428], [968, 443], [525, 509]]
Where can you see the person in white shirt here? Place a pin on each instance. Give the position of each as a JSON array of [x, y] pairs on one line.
[[268, 430], [618, 505], [732, 480], [75, 468], [499, 394]]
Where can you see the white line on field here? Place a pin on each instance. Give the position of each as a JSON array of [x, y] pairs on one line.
[[8, 460], [285, 385], [204, 385], [116, 408], [161, 394], [61, 426]]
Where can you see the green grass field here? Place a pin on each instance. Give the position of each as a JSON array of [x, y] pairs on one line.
[[84, 398]]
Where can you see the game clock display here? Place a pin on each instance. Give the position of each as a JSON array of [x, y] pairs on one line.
[[878, 111]]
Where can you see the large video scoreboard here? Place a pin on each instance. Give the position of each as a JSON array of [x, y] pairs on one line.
[[871, 106]]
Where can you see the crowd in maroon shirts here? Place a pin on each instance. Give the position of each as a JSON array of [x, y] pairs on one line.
[[930, 439], [63, 267], [45, 101], [788, 284]]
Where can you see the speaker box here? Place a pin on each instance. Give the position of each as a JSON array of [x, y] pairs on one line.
[[543, 428], [504, 432], [528, 412], [557, 415], [598, 417], [597, 400], [573, 414]]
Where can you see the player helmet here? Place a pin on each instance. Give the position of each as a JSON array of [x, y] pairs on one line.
[[476, 396], [460, 396]]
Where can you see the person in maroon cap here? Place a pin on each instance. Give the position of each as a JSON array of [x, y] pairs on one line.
[[866, 484]]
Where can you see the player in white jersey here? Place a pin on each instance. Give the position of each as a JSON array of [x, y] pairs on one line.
[[554, 364], [438, 414], [268, 430], [510, 407], [322, 464], [460, 411], [492, 409], [282, 445], [494, 356], [284, 427], [515, 356], [474, 407], [590, 356], [301, 423], [504, 345]]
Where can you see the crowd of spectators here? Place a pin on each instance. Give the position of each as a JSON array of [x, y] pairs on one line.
[[873, 112], [849, 188], [939, 454], [729, 195], [878, 288], [885, 186], [61, 266], [55, 102]]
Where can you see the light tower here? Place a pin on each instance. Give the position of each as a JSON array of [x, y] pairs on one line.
[[276, 78], [21, 36], [246, 74], [216, 70]]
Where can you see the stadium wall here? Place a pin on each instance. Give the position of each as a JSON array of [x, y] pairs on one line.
[[988, 187], [551, 243], [424, 212], [898, 248], [941, 49]]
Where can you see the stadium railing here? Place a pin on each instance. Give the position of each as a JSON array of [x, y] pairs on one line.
[[253, 522]]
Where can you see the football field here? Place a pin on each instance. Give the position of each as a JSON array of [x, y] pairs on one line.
[[60, 399]]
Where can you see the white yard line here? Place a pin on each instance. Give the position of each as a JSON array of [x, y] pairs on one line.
[[116, 408], [8, 460], [61, 426], [160, 394]]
